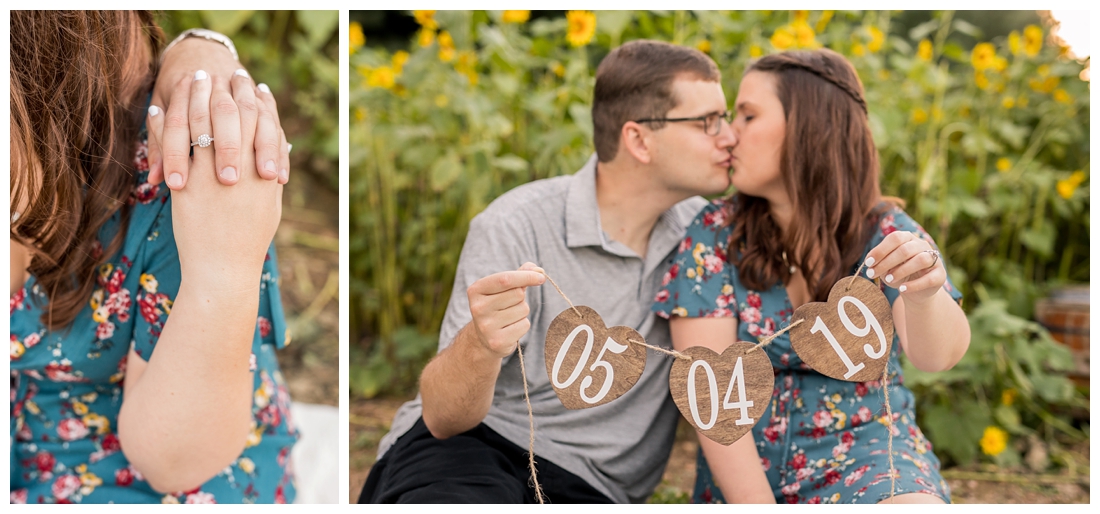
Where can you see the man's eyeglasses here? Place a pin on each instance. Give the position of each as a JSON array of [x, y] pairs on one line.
[[711, 122]]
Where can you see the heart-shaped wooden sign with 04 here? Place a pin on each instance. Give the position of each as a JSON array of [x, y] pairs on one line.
[[588, 363], [722, 396], [849, 337]]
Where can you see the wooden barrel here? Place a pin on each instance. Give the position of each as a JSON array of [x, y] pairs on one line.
[[1065, 313]]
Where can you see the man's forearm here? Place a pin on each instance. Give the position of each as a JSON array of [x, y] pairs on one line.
[[456, 387]]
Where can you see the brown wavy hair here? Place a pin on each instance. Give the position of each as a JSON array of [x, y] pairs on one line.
[[830, 171], [635, 81], [79, 84]]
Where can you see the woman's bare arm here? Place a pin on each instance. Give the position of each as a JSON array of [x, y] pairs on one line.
[[736, 468]]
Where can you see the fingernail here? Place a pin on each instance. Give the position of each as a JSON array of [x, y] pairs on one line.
[[889, 277], [263, 87], [284, 175], [229, 174], [289, 147], [241, 73], [869, 262], [200, 75], [870, 273], [902, 288], [269, 166], [175, 181], [154, 110]]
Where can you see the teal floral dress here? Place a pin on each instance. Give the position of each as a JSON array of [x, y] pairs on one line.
[[66, 385], [824, 440]]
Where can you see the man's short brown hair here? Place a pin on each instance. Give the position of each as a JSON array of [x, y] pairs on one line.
[[635, 81]]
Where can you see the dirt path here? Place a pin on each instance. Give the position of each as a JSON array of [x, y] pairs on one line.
[[370, 421]]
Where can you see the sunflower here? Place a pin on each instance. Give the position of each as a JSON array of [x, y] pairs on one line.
[[1033, 40], [426, 19], [356, 39], [1066, 187], [924, 50], [994, 441], [982, 56], [516, 16], [877, 39], [582, 26]]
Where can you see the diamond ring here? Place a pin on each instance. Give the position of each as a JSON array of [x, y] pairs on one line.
[[204, 141], [935, 258]]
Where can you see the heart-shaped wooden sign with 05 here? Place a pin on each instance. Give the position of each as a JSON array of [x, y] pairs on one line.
[[848, 337], [588, 363], [722, 396]]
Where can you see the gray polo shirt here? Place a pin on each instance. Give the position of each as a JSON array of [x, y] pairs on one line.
[[620, 448]]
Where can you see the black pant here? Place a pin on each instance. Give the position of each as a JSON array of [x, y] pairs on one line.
[[477, 466]]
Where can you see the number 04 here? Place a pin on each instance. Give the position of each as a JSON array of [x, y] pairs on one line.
[[738, 377]]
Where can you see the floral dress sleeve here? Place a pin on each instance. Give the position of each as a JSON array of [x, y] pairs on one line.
[[894, 220], [159, 282], [699, 284]]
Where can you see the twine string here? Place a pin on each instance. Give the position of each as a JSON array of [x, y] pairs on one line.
[[555, 284], [531, 421], [853, 281], [671, 353], [889, 427], [767, 340]]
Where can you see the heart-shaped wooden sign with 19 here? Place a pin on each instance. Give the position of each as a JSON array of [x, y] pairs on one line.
[[722, 396], [848, 337], [588, 363]]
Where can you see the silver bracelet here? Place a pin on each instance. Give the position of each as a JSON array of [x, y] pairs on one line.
[[206, 34]]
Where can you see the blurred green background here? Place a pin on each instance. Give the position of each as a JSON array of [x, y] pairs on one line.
[[981, 120], [296, 53]]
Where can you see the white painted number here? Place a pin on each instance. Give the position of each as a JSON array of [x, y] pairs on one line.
[[742, 404], [610, 344], [872, 324]]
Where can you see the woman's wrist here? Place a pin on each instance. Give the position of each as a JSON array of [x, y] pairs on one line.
[[201, 34]]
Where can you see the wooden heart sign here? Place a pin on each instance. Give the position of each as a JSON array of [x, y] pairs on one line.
[[722, 396], [848, 337], [588, 363]]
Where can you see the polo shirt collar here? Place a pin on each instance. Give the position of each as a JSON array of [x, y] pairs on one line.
[[582, 212]]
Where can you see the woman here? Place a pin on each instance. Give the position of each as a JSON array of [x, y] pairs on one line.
[[111, 399], [807, 213]]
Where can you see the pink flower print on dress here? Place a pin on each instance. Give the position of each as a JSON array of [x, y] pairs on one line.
[[65, 486], [662, 296], [45, 462], [753, 299], [62, 372], [714, 218], [750, 315], [823, 418], [854, 476], [105, 330], [832, 476], [124, 477], [720, 313], [17, 302], [863, 415], [200, 497], [685, 245], [141, 157], [19, 496], [264, 325], [886, 225], [778, 426], [71, 429], [671, 274], [713, 264], [145, 193]]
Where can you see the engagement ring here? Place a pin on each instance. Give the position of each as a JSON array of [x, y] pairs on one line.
[[935, 258], [204, 141]]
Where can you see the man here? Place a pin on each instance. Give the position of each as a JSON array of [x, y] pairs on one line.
[[606, 235]]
